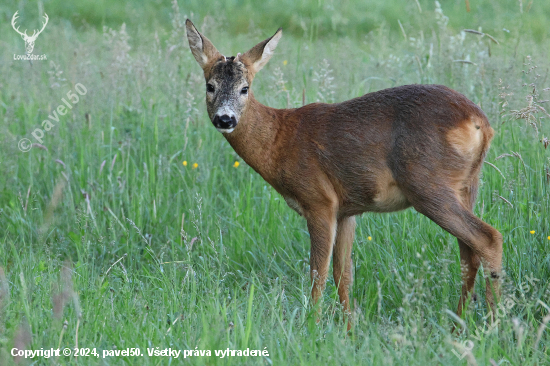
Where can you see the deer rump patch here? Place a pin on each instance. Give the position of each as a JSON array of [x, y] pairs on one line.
[[467, 138]]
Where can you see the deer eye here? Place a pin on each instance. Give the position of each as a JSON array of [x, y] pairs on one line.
[[210, 88], [244, 90]]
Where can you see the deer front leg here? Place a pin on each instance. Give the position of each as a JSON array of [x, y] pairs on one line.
[[321, 225], [342, 265]]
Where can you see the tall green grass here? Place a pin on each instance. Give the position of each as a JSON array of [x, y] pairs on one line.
[[137, 250], [306, 18]]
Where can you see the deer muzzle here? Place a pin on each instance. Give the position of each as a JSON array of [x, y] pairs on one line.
[[224, 123]]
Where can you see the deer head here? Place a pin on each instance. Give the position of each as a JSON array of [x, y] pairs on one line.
[[29, 40], [228, 79]]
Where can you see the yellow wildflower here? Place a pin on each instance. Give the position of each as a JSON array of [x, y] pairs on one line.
[[185, 163], [532, 231], [195, 166], [369, 238], [285, 62], [236, 165]]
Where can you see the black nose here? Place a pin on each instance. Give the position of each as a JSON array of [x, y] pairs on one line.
[[224, 122]]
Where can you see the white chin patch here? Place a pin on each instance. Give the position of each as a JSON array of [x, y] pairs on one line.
[[225, 130]]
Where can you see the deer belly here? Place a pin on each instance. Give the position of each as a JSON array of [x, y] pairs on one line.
[[388, 196], [390, 199]]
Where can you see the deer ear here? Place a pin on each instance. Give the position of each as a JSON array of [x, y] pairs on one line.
[[257, 56], [201, 47]]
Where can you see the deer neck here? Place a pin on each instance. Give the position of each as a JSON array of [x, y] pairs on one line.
[[255, 135]]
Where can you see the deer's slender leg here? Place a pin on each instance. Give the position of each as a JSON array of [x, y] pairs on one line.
[[469, 260], [343, 277], [469, 265], [321, 224], [482, 240]]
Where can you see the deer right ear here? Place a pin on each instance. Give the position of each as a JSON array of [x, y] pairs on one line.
[[257, 56], [201, 47]]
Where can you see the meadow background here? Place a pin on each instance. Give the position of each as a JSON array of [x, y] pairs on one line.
[[132, 225]]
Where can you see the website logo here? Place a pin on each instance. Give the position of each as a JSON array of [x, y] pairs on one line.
[[29, 40]]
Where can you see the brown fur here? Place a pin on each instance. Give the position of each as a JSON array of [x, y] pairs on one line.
[[413, 145]]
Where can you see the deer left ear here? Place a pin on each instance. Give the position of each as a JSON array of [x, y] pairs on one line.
[[257, 56], [201, 47]]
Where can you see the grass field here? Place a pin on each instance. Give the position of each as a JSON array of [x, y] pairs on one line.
[[129, 224]]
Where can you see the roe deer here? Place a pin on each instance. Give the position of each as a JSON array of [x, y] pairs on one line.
[[415, 145]]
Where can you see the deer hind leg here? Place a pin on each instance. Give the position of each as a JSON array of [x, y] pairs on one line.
[[479, 240], [469, 260], [469, 265], [342, 264]]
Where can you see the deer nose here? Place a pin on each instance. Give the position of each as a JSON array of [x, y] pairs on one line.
[[226, 119], [224, 122]]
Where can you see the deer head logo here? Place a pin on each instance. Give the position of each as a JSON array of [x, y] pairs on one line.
[[29, 40]]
